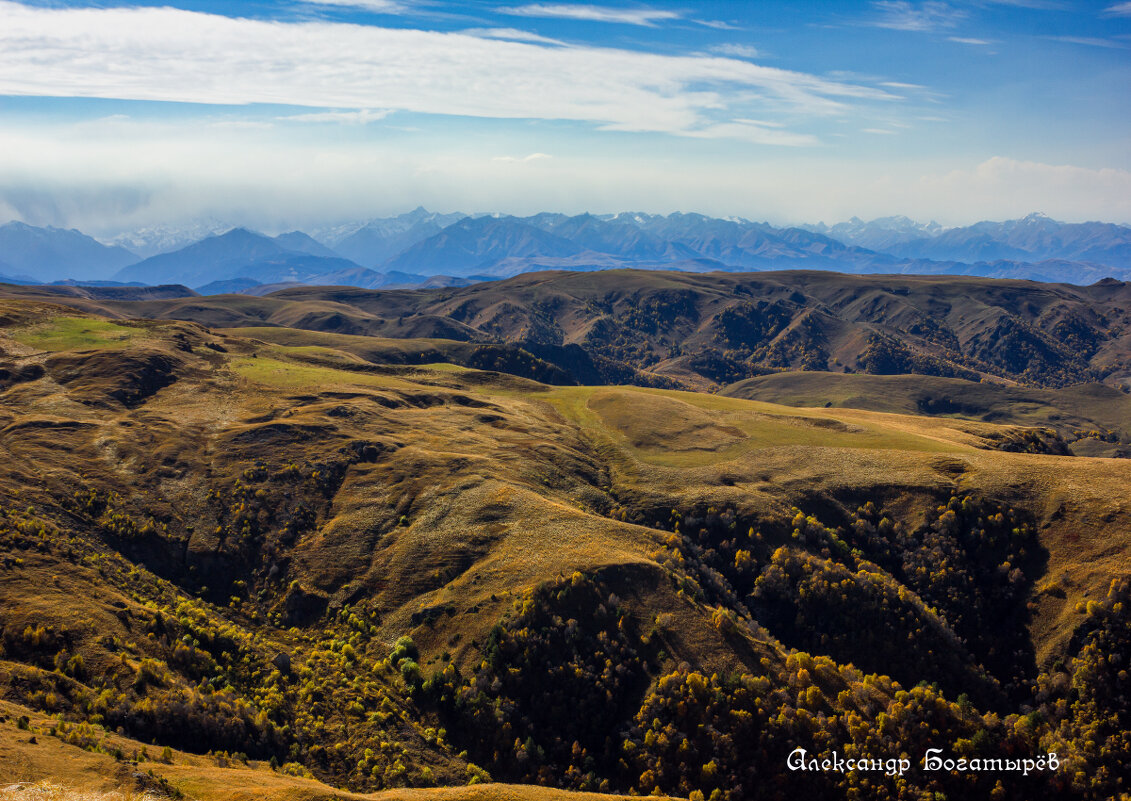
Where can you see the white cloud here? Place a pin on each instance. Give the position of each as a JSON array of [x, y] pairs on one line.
[[969, 41], [905, 16], [376, 6], [108, 175], [736, 50], [523, 159], [1001, 188], [717, 24], [513, 34], [757, 133], [883, 131], [168, 54], [360, 117], [1090, 41], [628, 16], [1118, 10], [762, 123]]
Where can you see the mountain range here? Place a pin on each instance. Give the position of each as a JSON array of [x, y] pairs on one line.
[[425, 248], [34, 254], [1032, 238], [153, 240], [372, 243]]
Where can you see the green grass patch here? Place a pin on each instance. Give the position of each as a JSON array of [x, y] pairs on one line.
[[78, 333], [686, 429], [441, 367], [289, 375], [353, 343]]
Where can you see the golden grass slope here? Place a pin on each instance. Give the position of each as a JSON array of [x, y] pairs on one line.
[[707, 330], [446, 494], [1088, 406], [475, 454], [53, 770]]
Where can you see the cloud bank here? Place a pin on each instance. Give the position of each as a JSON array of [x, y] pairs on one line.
[[167, 54], [117, 174]]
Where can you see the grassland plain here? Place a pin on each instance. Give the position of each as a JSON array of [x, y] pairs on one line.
[[298, 565]]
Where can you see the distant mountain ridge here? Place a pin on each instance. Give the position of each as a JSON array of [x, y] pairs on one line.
[[879, 234], [375, 242], [153, 240], [507, 246], [47, 254], [239, 253], [1034, 238], [415, 248]]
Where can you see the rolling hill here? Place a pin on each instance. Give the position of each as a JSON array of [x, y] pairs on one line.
[[709, 330], [280, 552], [1092, 419]]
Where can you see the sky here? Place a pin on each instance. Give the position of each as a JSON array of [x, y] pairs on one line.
[[116, 116]]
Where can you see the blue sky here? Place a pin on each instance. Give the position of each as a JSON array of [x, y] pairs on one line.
[[116, 115]]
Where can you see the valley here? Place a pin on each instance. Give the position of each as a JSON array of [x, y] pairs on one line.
[[495, 538], [416, 400]]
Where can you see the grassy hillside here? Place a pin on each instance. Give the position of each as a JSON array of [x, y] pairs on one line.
[[390, 575], [1095, 420], [675, 329], [93, 764]]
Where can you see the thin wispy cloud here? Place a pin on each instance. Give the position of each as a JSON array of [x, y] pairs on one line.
[[647, 17], [523, 159], [756, 132], [375, 6], [970, 41], [514, 34], [717, 24], [240, 125], [763, 123], [359, 117], [905, 16], [1041, 5], [1118, 10], [1089, 41], [167, 54]]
